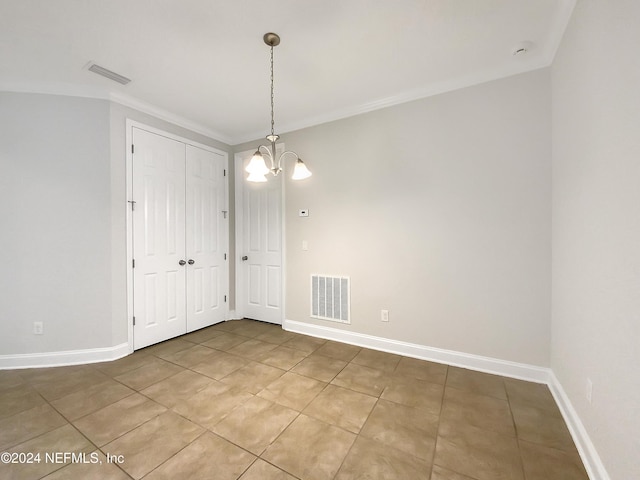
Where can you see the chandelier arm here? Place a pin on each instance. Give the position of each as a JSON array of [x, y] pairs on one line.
[[269, 154], [288, 152]]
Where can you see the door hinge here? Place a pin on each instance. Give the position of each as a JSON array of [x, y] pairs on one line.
[[225, 299], [134, 321], [224, 212], [224, 172], [225, 256], [133, 204], [133, 263], [132, 148]]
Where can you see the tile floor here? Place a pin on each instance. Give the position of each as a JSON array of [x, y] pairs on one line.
[[247, 400]]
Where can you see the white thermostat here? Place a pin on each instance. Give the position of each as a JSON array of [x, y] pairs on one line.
[[303, 212]]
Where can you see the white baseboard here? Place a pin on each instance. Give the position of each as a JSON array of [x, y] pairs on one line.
[[592, 462], [465, 360], [532, 373], [57, 359]]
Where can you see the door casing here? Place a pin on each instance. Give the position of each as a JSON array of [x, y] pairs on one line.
[[130, 124]]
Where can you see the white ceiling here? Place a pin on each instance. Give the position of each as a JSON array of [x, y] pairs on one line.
[[204, 61]]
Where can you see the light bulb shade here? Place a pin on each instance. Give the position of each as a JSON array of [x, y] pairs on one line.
[[256, 177], [300, 171], [257, 165]]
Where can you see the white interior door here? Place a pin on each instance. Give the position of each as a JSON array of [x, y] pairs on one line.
[[179, 237], [259, 270], [205, 243], [159, 296]]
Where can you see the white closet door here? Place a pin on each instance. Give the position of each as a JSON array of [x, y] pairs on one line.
[[159, 299], [205, 243]]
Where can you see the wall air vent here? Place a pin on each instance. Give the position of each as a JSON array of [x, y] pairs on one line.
[[330, 298], [108, 74]]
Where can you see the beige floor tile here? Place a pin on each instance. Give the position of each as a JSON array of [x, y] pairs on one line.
[[63, 385], [255, 329], [340, 351], [99, 469], [341, 407], [319, 367], [387, 362], [51, 448], [28, 424], [261, 470], [111, 422], [220, 366], [229, 325], [275, 335], [282, 357], [202, 335], [370, 459], [478, 453], [10, 379], [476, 382], [252, 349], [293, 390], [253, 377], [528, 393], [416, 393], [305, 343], [212, 404], [539, 426], [255, 424], [168, 347], [153, 442], [48, 374], [406, 428], [362, 379], [225, 341], [310, 449], [125, 364], [441, 473], [208, 457], [544, 463], [192, 356], [177, 388], [18, 398], [482, 411], [91, 399], [422, 370], [402, 414], [148, 374]]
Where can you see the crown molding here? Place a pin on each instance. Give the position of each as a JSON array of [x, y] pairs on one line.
[[99, 93], [162, 114]]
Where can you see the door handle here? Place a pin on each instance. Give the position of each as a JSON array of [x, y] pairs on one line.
[[182, 262], [191, 261], [245, 258]]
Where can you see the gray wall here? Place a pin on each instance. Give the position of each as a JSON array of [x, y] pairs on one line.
[[63, 220], [596, 226], [55, 217], [439, 211]]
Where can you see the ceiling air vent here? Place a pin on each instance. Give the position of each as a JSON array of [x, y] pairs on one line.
[[108, 74]]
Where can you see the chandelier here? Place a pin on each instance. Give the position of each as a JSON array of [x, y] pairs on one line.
[[257, 167]]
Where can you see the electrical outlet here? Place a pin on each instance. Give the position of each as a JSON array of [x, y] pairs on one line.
[[384, 315], [589, 390], [38, 328]]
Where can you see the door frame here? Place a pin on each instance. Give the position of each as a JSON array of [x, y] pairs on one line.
[[130, 125], [239, 157]]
